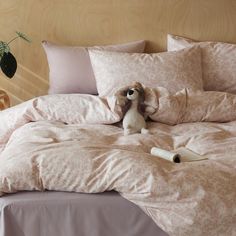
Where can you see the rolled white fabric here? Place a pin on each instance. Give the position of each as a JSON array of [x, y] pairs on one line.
[[170, 156]]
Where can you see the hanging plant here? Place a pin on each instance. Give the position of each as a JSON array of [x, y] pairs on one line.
[[8, 62]]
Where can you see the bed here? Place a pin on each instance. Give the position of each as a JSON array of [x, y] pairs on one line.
[[49, 147], [66, 167]]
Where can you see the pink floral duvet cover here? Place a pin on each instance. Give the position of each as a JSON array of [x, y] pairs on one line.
[[74, 143]]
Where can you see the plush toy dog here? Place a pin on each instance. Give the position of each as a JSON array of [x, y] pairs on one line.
[[133, 121]]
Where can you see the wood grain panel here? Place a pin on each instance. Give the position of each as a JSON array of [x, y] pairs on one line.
[[90, 22]]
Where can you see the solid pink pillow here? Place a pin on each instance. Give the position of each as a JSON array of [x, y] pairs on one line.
[[218, 62], [70, 69]]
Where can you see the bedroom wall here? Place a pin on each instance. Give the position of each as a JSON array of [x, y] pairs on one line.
[[89, 22]]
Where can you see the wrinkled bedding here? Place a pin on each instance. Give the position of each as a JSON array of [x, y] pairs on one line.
[[74, 143]]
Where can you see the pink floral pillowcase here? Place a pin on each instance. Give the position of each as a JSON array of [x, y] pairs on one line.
[[218, 62], [171, 70]]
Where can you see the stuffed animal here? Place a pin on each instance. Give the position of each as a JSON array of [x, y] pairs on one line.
[[134, 121]]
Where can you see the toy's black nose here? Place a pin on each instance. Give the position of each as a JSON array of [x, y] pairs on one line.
[[130, 91]]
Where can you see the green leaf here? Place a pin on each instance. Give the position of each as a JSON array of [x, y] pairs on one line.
[[4, 48], [23, 36]]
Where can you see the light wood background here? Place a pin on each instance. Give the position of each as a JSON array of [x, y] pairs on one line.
[[94, 22]]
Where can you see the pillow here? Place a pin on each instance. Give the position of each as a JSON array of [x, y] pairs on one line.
[[172, 70], [70, 69], [218, 62]]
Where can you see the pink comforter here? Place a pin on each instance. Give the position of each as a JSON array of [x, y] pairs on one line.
[[72, 146]]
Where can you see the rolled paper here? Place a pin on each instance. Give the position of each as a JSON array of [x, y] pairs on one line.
[[167, 155], [181, 154]]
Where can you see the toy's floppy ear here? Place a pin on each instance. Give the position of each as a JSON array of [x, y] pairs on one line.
[[150, 101], [122, 101]]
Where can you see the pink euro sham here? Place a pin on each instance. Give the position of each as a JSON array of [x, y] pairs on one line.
[[218, 62], [70, 69], [171, 70]]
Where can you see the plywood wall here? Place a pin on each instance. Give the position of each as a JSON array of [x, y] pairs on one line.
[[90, 22]]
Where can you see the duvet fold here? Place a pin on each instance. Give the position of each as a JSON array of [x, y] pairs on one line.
[[195, 106], [69, 109], [74, 143]]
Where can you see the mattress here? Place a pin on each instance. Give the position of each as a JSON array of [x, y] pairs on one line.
[[74, 214]]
